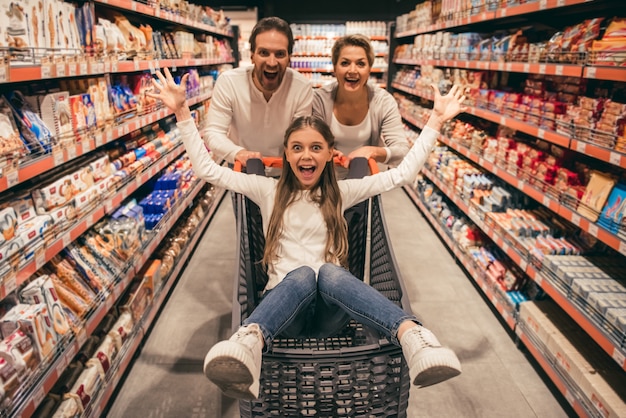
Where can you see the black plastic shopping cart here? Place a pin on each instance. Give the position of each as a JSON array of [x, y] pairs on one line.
[[355, 372]]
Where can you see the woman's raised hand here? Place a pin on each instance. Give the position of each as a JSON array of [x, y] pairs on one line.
[[446, 107], [173, 95]]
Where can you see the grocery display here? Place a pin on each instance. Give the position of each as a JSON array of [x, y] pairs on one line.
[[99, 204], [313, 43], [526, 187]]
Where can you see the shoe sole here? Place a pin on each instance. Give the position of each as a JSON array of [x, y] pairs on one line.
[[435, 365], [230, 368]]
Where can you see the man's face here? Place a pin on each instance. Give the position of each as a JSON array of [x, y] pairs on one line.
[[270, 59]]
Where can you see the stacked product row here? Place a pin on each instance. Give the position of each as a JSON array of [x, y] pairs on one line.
[[43, 29], [596, 41], [92, 181], [90, 371], [41, 119]]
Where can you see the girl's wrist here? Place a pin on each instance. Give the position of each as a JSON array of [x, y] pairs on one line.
[[183, 113]]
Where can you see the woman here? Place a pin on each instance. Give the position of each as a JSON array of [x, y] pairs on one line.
[[360, 114], [306, 244]]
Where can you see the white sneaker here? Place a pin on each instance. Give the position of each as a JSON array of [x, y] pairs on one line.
[[235, 365], [429, 362]]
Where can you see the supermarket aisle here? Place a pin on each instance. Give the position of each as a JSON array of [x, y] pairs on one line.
[[497, 381]]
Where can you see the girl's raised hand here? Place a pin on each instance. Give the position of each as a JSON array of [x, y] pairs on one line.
[[173, 95], [446, 107]]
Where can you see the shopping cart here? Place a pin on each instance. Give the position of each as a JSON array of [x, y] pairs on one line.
[[355, 371]]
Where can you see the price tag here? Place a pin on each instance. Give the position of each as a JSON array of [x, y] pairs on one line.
[[108, 206], [10, 283], [539, 280], [503, 12], [133, 6], [581, 147], [526, 67], [151, 67], [593, 230], [560, 3], [46, 71], [72, 70], [86, 146], [4, 73], [520, 184], [108, 304], [98, 140], [591, 72], [523, 265], [502, 120], [71, 352], [575, 219], [500, 66], [59, 158], [81, 337], [66, 239], [543, 4], [558, 70], [109, 135], [546, 201], [541, 133], [615, 158], [38, 395], [505, 247], [542, 68], [114, 68], [60, 67], [622, 247], [61, 366], [82, 68], [40, 258], [12, 178], [619, 357], [71, 152]]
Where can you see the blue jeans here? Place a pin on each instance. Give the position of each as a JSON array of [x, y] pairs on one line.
[[301, 306]]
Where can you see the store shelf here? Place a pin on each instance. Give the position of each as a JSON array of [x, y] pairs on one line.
[[83, 68], [142, 328], [134, 266], [85, 144], [18, 277], [506, 311], [548, 366], [540, 196], [481, 17], [570, 70], [605, 73], [594, 330], [136, 7], [604, 154], [535, 6]]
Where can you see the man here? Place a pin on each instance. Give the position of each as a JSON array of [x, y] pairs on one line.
[[252, 106]]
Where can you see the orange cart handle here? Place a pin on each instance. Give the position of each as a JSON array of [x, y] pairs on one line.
[[277, 162]]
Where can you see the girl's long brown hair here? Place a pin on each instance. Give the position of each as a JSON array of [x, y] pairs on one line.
[[325, 193]]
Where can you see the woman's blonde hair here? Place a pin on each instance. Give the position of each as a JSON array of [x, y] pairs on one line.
[[325, 193], [353, 40]]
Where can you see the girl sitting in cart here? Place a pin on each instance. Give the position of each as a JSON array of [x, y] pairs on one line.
[[306, 245]]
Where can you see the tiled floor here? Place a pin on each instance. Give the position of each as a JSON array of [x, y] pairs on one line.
[[498, 379]]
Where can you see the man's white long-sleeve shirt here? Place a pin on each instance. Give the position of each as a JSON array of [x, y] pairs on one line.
[[303, 239], [240, 117]]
